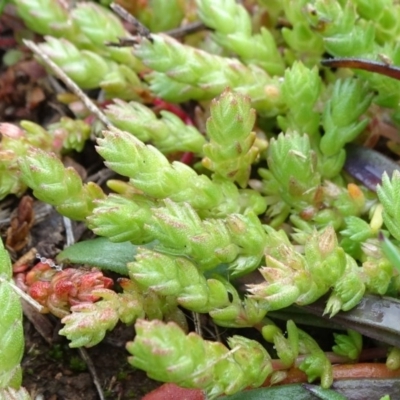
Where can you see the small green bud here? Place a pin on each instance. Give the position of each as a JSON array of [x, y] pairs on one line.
[[305, 43], [345, 35], [269, 331], [384, 16], [389, 196], [248, 235], [316, 364], [301, 89], [98, 24], [349, 345], [231, 150], [232, 30], [122, 219], [348, 289], [294, 166], [72, 133], [393, 359], [88, 323], [253, 358], [379, 274], [180, 230], [349, 100], [58, 186]]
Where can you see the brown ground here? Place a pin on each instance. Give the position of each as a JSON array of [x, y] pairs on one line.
[[57, 372]]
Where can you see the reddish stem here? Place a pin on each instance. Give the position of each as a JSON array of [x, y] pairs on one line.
[[366, 65], [173, 108]]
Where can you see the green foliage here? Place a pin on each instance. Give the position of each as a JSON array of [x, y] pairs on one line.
[[252, 198], [58, 186], [67, 134], [349, 345], [100, 252], [168, 133], [160, 15], [301, 89], [11, 332], [167, 354], [182, 72], [151, 172], [388, 194], [88, 323], [233, 31], [340, 120], [293, 165], [232, 148], [294, 278]]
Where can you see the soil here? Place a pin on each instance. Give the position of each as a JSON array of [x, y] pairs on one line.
[[57, 372]]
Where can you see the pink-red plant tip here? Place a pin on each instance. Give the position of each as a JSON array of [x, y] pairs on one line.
[[19, 280], [64, 288], [170, 391], [59, 290], [187, 158], [20, 268], [39, 291], [40, 271], [12, 131]]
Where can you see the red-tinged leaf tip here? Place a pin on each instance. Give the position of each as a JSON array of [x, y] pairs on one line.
[[170, 391]]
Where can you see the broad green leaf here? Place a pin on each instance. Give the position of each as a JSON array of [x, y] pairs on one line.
[[101, 253], [287, 392]]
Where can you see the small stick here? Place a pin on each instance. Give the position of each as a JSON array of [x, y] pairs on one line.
[[68, 231], [85, 357], [22, 294], [186, 29], [68, 82], [366, 65], [125, 15], [197, 323], [143, 31]]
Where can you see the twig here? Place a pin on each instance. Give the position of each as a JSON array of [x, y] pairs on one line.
[[101, 176], [22, 294], [197, 323], [85, 356], [68, 82], [186, 29], [125, 15], [68, 232], [143, 31]]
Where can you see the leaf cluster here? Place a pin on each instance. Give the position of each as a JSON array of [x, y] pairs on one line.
[[266, 190]]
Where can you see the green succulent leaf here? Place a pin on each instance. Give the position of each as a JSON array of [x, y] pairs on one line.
[[11, 331]]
